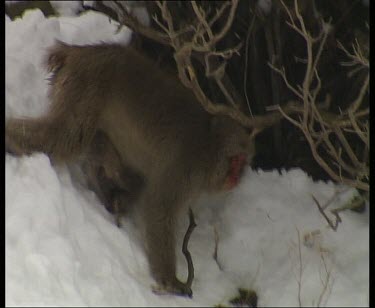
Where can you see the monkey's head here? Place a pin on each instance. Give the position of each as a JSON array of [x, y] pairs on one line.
[[235, 150]]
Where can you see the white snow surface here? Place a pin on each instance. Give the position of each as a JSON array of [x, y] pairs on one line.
[[67, 8], [63, 248]]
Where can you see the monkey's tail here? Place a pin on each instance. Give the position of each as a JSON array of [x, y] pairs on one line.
[[70, 124], [25, 136]]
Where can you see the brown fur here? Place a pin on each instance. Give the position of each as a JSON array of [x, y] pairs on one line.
[[117, 186], [158, 130]]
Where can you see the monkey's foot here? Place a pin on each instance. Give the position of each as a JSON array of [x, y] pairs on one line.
[[176, 288]]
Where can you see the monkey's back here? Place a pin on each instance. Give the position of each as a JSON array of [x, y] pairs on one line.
[[144, 110]]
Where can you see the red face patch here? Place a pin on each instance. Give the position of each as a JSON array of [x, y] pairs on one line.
[[237, 164]]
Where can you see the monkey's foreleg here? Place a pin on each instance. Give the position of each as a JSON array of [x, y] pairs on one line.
[[187, 285], [159, 213]]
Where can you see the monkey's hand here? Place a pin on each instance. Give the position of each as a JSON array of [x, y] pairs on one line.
[[174, 287]]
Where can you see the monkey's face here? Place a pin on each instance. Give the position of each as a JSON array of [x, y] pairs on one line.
[[236, 150], [229, 172], [236, 167]]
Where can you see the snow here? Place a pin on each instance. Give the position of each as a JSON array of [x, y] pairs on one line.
[[63, 248], [67, 8]]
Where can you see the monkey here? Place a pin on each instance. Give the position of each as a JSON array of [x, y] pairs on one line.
[[158, 127]]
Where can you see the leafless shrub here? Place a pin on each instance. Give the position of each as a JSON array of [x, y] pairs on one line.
[[198, 40], [197, 33], [323, 129]]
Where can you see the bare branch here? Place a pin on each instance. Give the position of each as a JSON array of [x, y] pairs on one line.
[[219, 13], [216, 239], [185, 250], [283, 75], [199, 12], [130, 21], [227, 25], [333, 225], [357, 171], [358, 101], [364, 136], [357, 56], [326, 281], [246, 63], [347, 147]]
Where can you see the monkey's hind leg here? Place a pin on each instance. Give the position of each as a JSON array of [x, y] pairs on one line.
[[158, 210], [116, 184], [117, 196]]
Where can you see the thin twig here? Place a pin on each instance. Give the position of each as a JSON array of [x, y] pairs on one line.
[[185, 250], [283, 75], [358, 101], [249, 30], [300, 269], [321, 210], [326, 282], [130, 21], [216, 239], [356, 171]]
